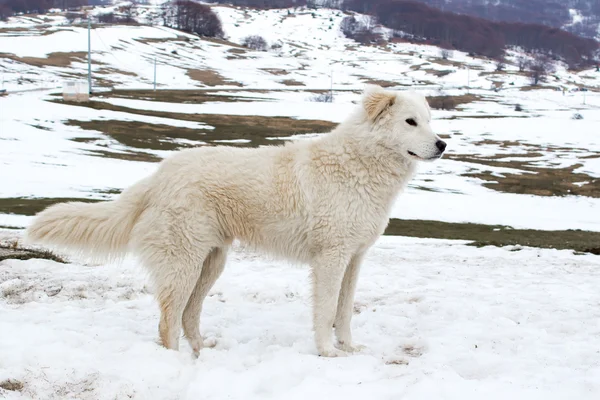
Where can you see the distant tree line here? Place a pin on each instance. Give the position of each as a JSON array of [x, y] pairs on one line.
[[419, 22], [11, 7], [192, 17], [268, 4], [555, 13]]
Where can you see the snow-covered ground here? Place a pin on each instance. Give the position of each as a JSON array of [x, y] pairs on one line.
[[454, 323]]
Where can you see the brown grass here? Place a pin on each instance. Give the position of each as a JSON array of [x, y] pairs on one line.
[[529, 178], [176, 96], [451, 102], [275, 71], [32, 205], [57, 59], [15, 252], [111, 71], [379, 82], [258, 130], [179, 38], [497, 235], [12, 385], [437, 72], [140, 135], [210, 78], [292, 82]]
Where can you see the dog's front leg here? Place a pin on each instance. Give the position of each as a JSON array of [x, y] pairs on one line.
[[345, 306], [328, 272]]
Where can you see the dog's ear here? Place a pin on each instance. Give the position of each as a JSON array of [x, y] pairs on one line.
[[377, 100]]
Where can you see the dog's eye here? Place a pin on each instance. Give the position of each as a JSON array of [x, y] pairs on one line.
[[411, 122]]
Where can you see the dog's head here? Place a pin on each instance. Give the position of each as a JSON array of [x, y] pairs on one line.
[[401, 119]]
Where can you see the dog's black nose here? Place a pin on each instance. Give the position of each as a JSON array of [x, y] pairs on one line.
[[441, 145]]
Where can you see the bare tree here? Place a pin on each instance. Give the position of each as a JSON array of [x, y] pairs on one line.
[[445, 53], [539, 68], [193, 17], [255, 42], [500, 65], [360, 30], [522, 63]]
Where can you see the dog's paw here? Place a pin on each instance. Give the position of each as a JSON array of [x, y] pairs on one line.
[[351, 347], [332, 352]]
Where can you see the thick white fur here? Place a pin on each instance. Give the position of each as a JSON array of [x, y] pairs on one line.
[[323, 202]]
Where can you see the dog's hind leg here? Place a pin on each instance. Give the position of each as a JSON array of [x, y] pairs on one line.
[[175, 268], [211, 270], [345, 306], [327, 272]]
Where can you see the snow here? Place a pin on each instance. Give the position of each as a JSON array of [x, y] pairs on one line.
[[454, 323]]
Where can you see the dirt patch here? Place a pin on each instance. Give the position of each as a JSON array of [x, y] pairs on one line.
[[57, 59], [163, 40], [379, 82], [12, 385], [32, 205], [292, 82], [176, 96], [128, 155], [437, 72], [530, 178], [540, 181], [209, 77], [258, 130], [497, 235], [111, 71], [275, 71], [530, 88], [223, 42], [15, 252], [451, 102]]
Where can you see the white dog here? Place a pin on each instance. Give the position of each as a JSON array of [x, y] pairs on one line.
[[323, 202]]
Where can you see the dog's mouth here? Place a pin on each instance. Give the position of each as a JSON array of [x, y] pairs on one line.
[[414, 155]]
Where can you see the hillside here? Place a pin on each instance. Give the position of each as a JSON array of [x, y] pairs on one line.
[[581, 17]]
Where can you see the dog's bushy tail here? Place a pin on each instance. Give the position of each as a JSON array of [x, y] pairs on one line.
[[98, 231]]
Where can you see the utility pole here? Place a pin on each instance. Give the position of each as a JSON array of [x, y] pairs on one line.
[[155, 74], [331, 87], [89, 55]]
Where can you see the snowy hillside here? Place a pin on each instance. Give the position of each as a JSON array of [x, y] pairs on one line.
[[441, 318]]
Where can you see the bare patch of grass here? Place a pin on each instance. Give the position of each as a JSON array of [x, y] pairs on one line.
[[12, 385], [56, 59], [540, 182], [379, 82], [292, 82], [210, 78], [176, 96], [13, 251], [275, 71], [451, 102], [497, 235], [111, 71], [533, 179], [437, 72], [257, 129], [128, 155], [32, 205]]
